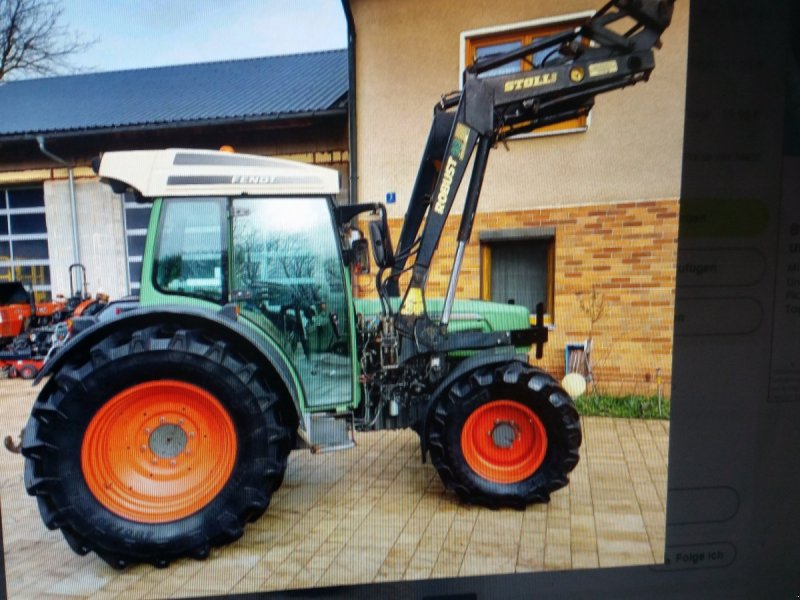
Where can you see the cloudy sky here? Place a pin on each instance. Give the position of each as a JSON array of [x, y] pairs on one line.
[[133, 33]]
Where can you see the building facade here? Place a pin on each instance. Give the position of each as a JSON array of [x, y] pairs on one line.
[[582, 217], [54, 212]]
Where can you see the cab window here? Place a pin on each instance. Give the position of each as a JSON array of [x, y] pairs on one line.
[[190, 252]]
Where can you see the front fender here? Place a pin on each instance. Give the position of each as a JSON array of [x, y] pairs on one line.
[[221, 323], [492, 356]]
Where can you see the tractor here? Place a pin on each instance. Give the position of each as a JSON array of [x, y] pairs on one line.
[[163, 432], [19, 311], [30, 332]]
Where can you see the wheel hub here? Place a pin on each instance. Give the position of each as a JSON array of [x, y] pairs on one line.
[[504, 441], [168, 441], [504, 433], [158, 451]]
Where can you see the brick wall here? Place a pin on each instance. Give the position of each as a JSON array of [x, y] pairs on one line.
[[625, 252]]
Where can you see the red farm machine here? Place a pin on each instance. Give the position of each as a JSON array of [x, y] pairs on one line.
[[31, 330]]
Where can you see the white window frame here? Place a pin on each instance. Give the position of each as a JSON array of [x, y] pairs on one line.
[[134, 287], [10, 237]]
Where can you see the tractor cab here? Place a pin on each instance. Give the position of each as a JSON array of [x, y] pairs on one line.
[[257, 233]]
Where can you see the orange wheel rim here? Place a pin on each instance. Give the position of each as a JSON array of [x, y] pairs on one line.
[[504, 441], [158, 451]]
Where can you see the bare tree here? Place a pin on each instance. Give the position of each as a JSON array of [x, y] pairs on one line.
[[593, 306], [33, 40]]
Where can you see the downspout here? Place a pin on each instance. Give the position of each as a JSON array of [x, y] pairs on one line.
[[76, 253], [351, 100]]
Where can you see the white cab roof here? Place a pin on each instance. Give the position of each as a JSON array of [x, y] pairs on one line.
[[183, 172]]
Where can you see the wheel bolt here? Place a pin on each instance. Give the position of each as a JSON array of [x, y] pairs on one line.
[[147, 430], [155, 461], [173, 462], [143, 448]]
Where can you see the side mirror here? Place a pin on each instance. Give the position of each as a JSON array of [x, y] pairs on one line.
[[360, 256], [381, 243]]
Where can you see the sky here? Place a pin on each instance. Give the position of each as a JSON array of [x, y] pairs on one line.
[[139, 33]]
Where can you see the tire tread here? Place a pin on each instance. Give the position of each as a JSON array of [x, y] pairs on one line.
[[534, 388], [67, 393]]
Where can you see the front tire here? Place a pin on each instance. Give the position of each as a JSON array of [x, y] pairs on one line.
[[155, 445], [505, 436]]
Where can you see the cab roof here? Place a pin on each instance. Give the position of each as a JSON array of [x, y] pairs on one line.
[[185, 172]]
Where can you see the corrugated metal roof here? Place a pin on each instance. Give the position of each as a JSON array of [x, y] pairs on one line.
[[268, 87]]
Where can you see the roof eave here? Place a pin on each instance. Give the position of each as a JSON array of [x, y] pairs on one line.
[[337, 110]]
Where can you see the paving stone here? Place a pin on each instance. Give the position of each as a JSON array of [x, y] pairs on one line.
[[373, 513]]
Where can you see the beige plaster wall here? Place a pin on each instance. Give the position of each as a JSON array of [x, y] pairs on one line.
[[408, 55]]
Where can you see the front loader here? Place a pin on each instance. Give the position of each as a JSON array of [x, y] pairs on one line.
[[160, 434]]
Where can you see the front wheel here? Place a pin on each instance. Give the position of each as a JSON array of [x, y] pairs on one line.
[[154, 446], [505, 436]]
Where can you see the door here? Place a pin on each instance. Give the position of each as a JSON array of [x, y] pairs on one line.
[[288, 278]]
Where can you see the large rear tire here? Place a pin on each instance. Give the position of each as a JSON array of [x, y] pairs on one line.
[[504, 436], [155, 445]]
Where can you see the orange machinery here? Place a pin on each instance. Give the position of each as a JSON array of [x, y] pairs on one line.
[[19, 311]]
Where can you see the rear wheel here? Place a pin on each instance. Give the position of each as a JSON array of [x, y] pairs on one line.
[[158, 451], [505, 436], [156, 445]]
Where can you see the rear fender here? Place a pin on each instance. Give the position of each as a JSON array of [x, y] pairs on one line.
[[222, 324]]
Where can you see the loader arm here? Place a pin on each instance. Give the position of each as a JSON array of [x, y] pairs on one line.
[[591, 59]]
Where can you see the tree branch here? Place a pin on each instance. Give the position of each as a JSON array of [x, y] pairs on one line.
[[32, 39]]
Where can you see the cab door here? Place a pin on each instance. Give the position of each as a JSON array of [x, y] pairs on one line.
[[288, 278]]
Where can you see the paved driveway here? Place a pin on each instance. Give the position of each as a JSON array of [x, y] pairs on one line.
[[372, 513]]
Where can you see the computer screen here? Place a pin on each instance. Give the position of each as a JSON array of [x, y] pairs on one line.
[[659, 231]]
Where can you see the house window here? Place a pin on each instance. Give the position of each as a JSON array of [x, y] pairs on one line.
[[518, 267], [136, 216], [24, 253], [480, 43]]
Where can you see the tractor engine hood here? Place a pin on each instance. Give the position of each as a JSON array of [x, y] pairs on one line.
[[467, 315]]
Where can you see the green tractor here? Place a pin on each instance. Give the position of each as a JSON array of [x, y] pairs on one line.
[[161, 433]]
